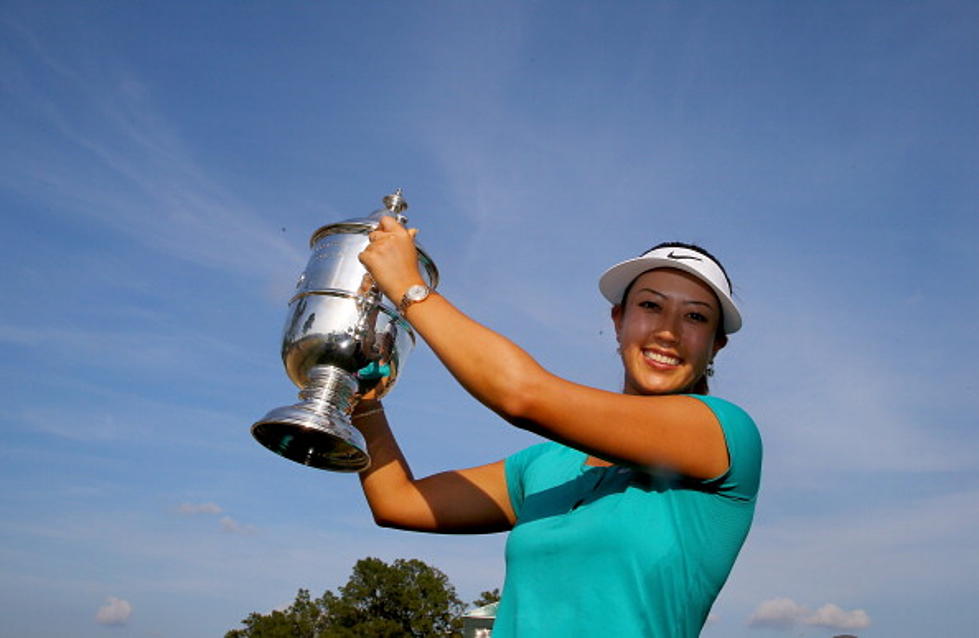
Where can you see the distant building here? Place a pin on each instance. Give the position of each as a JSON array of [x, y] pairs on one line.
[[478, 622]]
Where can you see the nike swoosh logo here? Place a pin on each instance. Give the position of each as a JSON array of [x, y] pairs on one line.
[[673, 255]]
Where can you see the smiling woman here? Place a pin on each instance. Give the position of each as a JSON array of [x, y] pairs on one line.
[[629, 519]]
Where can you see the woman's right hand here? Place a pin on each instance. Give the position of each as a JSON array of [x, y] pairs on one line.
[[392, 259]]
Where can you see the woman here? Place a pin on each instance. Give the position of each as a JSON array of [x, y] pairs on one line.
[[628, 520]]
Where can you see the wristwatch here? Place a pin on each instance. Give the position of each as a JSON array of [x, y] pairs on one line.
[[414, 294]]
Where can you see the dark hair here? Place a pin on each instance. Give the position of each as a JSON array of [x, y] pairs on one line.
[[701, 386]]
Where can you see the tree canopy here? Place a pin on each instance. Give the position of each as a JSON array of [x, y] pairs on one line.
[[406, 599], [487, 598]]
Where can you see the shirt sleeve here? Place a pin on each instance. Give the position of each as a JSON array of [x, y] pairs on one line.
[[744, 449], [515, 467]]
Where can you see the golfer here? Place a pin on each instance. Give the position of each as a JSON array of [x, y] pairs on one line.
[[628, 519]]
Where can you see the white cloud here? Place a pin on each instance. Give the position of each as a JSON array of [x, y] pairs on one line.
[[784, 613], [778, 613], [833, 617], [191, 509], [115, 611], [231, 526]]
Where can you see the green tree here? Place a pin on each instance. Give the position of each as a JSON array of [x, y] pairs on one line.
[[406, 599], [487, 597], [302, 618]]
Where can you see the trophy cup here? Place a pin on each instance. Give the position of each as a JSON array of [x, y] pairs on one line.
[[341, 339]]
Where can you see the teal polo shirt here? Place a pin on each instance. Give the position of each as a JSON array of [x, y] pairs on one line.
[[621, 552]]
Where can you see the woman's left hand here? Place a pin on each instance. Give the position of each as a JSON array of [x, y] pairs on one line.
[[392, 259]]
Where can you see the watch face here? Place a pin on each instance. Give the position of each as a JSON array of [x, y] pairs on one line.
[[416, 293]]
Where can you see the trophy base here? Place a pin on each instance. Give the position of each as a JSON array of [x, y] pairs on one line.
[[322, 439]]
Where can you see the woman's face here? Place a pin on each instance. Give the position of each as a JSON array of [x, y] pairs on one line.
[[667, 330]]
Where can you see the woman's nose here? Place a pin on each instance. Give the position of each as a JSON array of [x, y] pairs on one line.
[[667, 328]]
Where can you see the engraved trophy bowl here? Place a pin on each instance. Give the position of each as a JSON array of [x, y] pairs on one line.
[[342, 339]]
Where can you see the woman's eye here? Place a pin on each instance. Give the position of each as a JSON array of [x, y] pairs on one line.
[[696, 316], [649, 305]]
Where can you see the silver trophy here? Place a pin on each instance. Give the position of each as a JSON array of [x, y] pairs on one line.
[[342, 339]]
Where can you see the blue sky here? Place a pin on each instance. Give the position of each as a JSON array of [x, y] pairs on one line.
[[164, 164]]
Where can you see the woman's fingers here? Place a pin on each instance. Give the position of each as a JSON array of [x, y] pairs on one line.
[[389, 227], [390, 224]]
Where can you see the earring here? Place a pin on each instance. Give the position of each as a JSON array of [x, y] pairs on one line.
[[710, 369]]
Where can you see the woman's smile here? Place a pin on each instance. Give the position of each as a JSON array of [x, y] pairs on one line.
[[660, 360]]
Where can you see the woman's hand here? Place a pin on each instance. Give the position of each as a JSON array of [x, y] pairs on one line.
[[392, 259]]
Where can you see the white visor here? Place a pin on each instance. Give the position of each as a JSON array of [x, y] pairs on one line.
[[616, 279]]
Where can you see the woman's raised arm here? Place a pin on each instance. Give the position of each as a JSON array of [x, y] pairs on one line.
[[675, 432]]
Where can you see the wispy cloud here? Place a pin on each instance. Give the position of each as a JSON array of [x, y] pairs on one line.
[[843, 405], [115, 611], [191, 509], [147, 349], [231, 526], [228, 524], [116, 416], [114, 158], [189, 560]]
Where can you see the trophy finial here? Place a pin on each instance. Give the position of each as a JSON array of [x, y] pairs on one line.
[[396, 203]]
